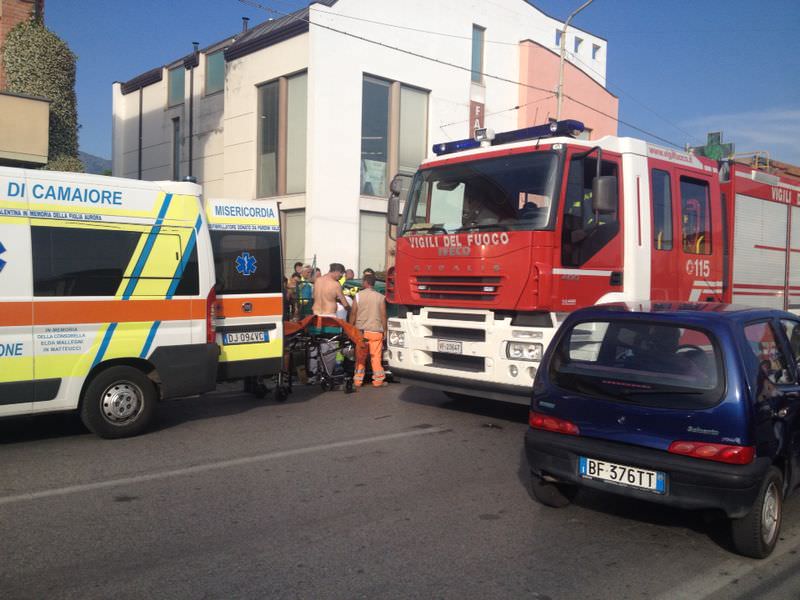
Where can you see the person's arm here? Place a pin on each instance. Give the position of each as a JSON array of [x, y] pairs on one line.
[[341, 299], [384, 317]]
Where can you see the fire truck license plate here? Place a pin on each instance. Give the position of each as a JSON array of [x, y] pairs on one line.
[[449, 347], [244, 337]]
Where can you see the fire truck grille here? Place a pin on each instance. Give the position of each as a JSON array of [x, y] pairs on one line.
[[464, 288], [458, 333]]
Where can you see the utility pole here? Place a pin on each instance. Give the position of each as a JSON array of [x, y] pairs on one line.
[[563, 52]]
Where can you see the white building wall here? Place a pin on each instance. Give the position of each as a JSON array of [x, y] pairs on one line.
[[243, 75]]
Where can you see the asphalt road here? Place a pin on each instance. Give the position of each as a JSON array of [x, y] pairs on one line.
[[390, 493]]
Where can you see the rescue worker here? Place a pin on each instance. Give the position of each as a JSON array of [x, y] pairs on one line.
[[369, 317]]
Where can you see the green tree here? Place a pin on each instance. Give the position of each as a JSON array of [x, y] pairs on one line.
[[39, 63]]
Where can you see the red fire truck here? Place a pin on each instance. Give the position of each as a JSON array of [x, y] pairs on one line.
[[503, 235]]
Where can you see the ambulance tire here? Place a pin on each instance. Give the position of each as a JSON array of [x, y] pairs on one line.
[[119, 402]]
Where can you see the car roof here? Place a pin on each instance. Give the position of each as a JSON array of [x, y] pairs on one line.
[[707, 312]]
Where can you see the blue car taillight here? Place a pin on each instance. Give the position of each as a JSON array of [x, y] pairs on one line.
[[735, 455], [548, 423]]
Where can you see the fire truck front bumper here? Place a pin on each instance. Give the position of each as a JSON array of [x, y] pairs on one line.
[[518, 394]]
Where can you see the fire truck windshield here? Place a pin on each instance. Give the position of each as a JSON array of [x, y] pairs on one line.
[[507, 193]]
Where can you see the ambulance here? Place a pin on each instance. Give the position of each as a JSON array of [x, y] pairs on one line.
[[246, 244], [106, 297]]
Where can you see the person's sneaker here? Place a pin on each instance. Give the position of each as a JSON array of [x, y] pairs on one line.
[[381, 384]]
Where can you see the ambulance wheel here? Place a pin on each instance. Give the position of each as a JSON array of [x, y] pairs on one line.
[[119, 402]]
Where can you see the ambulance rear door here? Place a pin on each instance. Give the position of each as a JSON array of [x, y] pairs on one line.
[[246, 243]]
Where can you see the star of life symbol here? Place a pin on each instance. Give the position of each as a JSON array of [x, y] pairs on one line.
[[246, 264], [2, 262]]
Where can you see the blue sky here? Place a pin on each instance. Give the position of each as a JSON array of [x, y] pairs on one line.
[[679, 67]]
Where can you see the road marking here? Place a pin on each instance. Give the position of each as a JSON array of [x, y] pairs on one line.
[[706, 584], [224, 464]]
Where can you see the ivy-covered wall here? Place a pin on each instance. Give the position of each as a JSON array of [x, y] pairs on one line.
[[39, 63]]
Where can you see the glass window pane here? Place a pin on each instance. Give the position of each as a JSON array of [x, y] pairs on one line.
[[263, 274], [294, 236], [771, 362], [695, 216], [215, 72], [176, 149], [374, 134], [66, 261], [413, 128], [175, 84], [662, 211], [297, 114], [372, 242], [268, 139], [477, 53]]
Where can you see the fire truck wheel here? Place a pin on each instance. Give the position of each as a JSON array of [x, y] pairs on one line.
[[119, 402], [550, 493]]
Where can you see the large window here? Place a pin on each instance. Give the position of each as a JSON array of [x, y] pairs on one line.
[[372, 241], [176, 86], [282, 125], [586, 231], [68, 262], [176, 149], [478, 33], [413, 129], [294, 238], [374, 136], [215, 72], [695, 216], [386, 150], [246, 263], [268, 139], [296, 118], [662, 210]]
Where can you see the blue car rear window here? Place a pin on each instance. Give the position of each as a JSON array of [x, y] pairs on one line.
[[658, 364]]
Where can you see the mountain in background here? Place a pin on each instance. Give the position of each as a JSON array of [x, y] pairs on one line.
[[95, 164]]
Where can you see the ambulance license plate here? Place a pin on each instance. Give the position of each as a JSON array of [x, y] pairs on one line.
[[244, 337], [643, 479], [449, 347]]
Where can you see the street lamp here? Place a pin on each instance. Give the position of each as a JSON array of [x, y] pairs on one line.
[[563, 51]]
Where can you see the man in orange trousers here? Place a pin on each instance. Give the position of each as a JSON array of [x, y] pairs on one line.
[[369, 317]]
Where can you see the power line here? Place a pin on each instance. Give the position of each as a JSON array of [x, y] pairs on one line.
[[254, 4], [498, 112]]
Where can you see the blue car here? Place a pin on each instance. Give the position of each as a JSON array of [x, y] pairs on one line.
[[689, 405]]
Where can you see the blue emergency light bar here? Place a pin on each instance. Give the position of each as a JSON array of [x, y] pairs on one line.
[[568, 127]]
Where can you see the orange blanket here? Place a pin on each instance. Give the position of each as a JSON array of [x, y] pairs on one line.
[[291, 327]]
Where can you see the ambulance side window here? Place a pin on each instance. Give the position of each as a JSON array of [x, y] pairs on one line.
[[247, 262], [70, 261], [190, 279]]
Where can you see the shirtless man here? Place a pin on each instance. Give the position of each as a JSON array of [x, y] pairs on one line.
[[328, 291]]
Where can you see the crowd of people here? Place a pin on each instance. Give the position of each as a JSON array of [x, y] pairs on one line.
[[309, 292]]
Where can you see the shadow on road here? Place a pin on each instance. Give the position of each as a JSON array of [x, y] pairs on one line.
[[709, 523], [228, 399], [494, 409]]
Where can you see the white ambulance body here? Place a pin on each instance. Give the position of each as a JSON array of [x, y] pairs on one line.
[[106, 297], [246, 244]]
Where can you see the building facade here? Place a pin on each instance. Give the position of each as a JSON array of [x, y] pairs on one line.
[[319, 109]]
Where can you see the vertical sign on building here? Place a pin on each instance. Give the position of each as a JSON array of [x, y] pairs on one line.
[[475, 116]]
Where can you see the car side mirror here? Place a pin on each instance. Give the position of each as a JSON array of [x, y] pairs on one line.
[[393, 210], [604, 194]]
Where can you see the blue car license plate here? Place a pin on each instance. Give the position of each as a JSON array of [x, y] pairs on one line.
[[643, 479]]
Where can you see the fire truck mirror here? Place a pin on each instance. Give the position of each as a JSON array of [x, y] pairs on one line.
[[604, 194], [396, 186], [393, 210]]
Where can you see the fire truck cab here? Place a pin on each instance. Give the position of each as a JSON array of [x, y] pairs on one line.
[[503, 235]]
